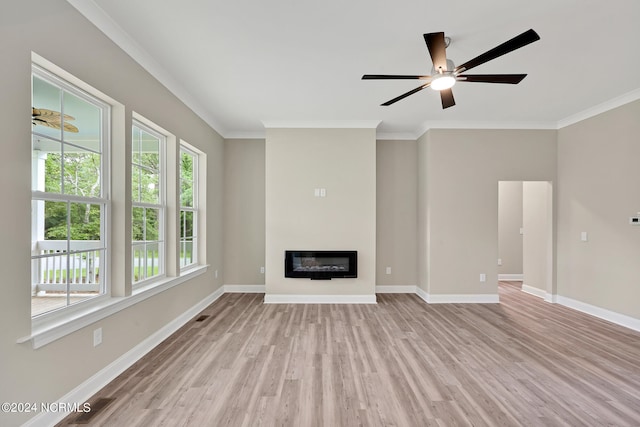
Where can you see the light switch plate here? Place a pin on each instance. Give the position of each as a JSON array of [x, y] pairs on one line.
[[97, 337]]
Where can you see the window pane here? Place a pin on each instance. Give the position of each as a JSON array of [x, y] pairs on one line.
[[186, 222], [135, 146], [137, 225], [145, 149], [55, 222], [152, 224], [186, 253], [139, 265], [81, 172], [46, 171], [46, 99], [84, 271], [186, 194], [135, 183], [149, 151], [150, 161], [85, 226], [186, 180], [153, 260], [149, 187], [81, 122], [146, 182]]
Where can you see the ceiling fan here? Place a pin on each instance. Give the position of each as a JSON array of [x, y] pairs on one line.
[[52, 119], [445, 74]]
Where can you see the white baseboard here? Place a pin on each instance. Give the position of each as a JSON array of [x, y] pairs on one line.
[[540, 293], [390, 289], [511, 277], [602, 313], [319, 299], [457, 298], [463, 298], [244, 289], [84, 391], [422, 294]]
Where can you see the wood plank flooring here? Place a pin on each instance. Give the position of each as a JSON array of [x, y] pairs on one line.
[[402, 362]]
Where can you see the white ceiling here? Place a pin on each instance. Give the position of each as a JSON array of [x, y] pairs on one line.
[[241, 63]]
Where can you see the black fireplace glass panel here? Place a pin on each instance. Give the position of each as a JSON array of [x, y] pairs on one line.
[[321, 265]]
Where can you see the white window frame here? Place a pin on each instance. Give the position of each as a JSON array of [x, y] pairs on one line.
[[54, 325], [184, 148], [161, 206], [69, 310]]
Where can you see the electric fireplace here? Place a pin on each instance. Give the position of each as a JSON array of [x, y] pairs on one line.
[[321, 265]]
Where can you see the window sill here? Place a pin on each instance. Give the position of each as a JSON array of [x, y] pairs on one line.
[[45, 334]]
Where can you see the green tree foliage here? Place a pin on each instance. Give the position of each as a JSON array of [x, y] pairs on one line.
[[77, 174], [186, 180]]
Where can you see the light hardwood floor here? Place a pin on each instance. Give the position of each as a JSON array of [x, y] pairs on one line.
[[401, 362]]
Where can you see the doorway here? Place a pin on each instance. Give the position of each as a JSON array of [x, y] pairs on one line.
[[525, 235]]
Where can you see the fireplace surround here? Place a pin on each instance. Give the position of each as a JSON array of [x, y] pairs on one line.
[[321, 265]]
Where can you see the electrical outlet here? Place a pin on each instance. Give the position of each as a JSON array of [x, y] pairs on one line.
[[499, 261], [261, 270], [388, 270], [97, 337], [483, 277]]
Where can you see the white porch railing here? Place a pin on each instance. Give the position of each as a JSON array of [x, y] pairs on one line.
[[55, 269]]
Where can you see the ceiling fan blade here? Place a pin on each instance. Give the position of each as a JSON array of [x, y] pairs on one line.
[[393, 77], [404, 95], [437, 50], [492, 78], [446, 96], [517, 42]]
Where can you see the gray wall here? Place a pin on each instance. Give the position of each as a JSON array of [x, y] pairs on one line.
[[57, 32], [397, 222], [598, 191], [244, 204], [537, 239], [396, 212], [509, 224], [342, 161], [463, 168]]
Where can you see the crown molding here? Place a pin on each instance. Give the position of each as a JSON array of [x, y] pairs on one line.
[[398, 136], [499, 125], [600, 108], [259, 134], [98, 17], [321, 124]]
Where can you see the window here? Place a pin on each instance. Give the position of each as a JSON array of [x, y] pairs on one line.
[[188, 207], [148, 203], [70, 198]]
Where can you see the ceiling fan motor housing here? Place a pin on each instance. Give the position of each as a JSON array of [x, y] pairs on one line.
[[450, 67]]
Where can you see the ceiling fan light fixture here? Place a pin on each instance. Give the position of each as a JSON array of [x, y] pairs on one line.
[[442, 81]]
